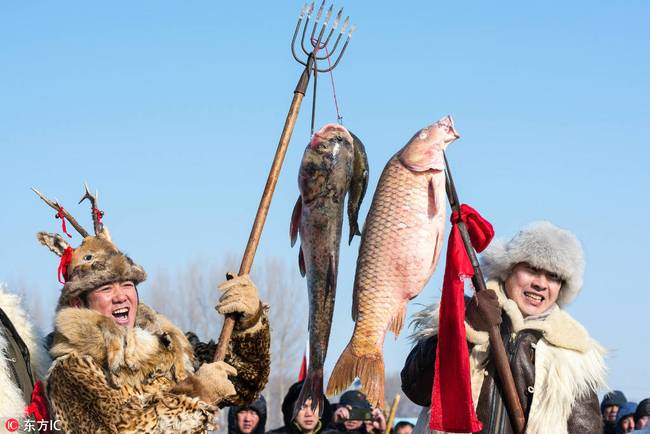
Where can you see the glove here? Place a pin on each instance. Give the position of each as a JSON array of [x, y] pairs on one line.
[[211, 383], [240, 296], [483, 311]]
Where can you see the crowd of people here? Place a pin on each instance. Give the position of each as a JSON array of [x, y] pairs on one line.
[[623, 416], [618, 414], [352, 415], [112, 364]]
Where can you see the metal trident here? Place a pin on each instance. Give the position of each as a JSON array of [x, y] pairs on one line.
[[317, 44]]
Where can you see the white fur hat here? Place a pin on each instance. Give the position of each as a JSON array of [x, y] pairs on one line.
[[542, 245]]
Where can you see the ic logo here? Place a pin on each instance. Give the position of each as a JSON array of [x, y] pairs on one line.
[[12, 425]]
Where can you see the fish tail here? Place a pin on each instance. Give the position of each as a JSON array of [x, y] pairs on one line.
[[368, 368], [397, 321], [312, 389], [354, 230]]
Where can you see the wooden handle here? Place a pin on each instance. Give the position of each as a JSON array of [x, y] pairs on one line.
[[502, 365], [508, 389], [391, 415], [260, 217]]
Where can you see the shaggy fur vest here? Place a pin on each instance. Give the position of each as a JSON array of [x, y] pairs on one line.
[[569, 364], [109, 379], [12, 402]]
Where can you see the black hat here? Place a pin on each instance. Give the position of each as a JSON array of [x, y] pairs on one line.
[[615, 397], [354, 399], [643, 409]]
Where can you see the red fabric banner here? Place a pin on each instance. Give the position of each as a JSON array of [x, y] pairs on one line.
[[452, 409], [303, 368], [38, 406]]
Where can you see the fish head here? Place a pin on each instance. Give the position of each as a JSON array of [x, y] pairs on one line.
[[328, 140], [326, 163], [425, 149]]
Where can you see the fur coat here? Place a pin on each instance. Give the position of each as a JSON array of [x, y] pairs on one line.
[[569, 364], [111, 379], [12, 403]]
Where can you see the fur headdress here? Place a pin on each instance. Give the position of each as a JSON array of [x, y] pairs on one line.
[[542, 245], [97, 261]]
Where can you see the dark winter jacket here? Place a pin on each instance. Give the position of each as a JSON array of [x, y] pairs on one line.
[[287, 413], [565, 401], [259, 407]]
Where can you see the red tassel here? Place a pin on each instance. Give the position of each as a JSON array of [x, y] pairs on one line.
[[452, 408], [38, 406], [66, 258], [62, 217], [99, 214]]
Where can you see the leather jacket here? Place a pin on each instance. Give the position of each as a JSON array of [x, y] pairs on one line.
[[418, 371]]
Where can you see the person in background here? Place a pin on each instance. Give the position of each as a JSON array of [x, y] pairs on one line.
[[23, 362], [642, 415], [354, 414], [609, 406], [248, 419], [306, 421], [625, 418], [403, 427]]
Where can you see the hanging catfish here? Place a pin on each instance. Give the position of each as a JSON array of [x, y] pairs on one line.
[[325, 176]]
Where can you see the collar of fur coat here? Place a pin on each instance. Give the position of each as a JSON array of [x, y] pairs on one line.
[[129, 356], [558, 328], [11, 398]]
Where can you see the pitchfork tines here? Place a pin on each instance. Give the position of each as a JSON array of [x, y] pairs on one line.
[[317, 43]]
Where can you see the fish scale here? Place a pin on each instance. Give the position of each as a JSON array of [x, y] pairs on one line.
[[400, 247]]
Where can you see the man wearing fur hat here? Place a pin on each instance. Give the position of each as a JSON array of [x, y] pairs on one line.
[[121, 367], [556, 365]]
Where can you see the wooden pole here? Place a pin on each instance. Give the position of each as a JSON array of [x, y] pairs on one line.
[[265, 202], [391, 415], [499, 355]]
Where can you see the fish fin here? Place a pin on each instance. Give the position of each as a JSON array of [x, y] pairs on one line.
[[397, 321], [354, 229], [432, 207], [301, 262], [312, 389], [369, 369], [295, 221]]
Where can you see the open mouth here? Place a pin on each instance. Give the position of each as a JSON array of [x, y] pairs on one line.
[[534, 297], [121, 315]]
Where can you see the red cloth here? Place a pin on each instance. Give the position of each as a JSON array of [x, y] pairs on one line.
[[452, 409], [66, 258], [38, 406], [99, 214], [303, 368], [61, 215]]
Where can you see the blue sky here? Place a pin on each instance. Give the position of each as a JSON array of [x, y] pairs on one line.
[[173, 111]]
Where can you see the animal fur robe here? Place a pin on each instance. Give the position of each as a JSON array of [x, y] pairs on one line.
[[112, 379], [12, 404], [569, 364]]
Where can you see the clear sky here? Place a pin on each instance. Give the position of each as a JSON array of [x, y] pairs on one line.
[[173, 111]]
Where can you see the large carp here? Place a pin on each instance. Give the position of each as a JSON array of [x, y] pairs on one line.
[[399, 250], [325, 177]]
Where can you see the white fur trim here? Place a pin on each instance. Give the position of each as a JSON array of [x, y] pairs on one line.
[[11, 398], [561, 377], [542, 245]]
